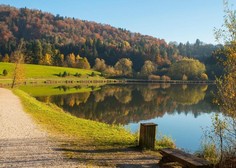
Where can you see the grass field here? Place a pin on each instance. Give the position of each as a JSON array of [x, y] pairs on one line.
[[58, 122], [45, 72]]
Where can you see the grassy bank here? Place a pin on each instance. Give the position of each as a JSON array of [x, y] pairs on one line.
[[41, 71], [86, 141], [39, 74], [60, 123]]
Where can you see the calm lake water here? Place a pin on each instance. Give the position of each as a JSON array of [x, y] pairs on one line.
[[181, 111]]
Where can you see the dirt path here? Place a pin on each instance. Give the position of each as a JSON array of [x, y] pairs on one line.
[[23, 144]]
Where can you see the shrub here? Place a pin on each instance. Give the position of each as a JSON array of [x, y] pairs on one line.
[[93, 74], [77, 74], [184, 78], [209, 152], [165, 78], [204, 76], [154, 77], [4, 72], [64, 74], [165, 142]]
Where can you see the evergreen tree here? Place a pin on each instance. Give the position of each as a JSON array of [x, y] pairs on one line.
[[38, 52]]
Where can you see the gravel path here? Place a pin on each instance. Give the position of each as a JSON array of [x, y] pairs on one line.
[[14, 123], [22, 143]]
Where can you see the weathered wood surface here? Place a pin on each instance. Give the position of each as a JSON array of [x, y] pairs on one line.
[[184, 158], [147, 135]]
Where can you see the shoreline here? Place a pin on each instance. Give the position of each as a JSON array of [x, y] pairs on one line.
[[169, 81], [7, 82], [96, 141]]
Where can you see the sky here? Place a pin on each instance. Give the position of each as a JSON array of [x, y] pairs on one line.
[[172, 20]]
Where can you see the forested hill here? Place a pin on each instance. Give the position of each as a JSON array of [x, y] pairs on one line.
[[50, 39]]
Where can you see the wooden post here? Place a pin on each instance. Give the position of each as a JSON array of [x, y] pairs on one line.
[[147, 135]]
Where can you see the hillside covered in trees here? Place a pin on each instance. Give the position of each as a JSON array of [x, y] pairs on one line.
[[62, 41]]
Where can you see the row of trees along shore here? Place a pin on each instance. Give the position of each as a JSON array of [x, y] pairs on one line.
[[184, 69], [63, 41]]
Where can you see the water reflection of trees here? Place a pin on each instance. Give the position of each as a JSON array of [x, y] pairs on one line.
[[123, 104], [188, 95]]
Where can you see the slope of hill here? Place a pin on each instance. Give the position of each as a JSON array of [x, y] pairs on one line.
[[50, 40], [44, 72]]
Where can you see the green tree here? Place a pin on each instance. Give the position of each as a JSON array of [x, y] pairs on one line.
[[47, 49], [148, 68], [190, 67], [124, 67], [38, 52]]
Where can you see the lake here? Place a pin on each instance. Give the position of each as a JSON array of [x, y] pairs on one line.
[[181, 111]]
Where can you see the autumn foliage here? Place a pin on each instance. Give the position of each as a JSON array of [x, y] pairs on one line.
[[63, 41]]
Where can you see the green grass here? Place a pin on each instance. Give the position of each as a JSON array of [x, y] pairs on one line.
[[57, 122], [49, 90], [45, 72], [210, 153], [165, 142], [9, 67]]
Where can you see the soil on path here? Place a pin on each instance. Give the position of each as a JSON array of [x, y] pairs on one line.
[[24, 144]]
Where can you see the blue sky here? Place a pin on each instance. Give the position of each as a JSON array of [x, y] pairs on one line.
[[172, 20]]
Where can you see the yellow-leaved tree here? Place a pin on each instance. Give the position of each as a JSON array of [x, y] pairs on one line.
[[224, 127], [18, 72]]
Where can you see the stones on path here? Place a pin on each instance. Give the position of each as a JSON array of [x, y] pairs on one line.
[[22, 143], [29, 152]]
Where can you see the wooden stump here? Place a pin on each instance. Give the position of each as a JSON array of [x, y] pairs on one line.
[[147, 135]]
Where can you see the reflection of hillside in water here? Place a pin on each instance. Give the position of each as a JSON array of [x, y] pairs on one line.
[[187, 95], [122, 104]]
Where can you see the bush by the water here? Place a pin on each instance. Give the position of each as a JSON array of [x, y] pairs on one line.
[[64, 74], [4, 72], [77, 74], [165, 142]]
